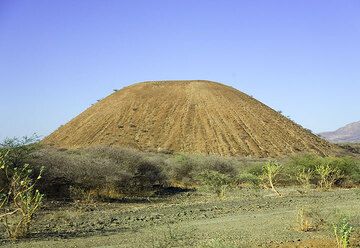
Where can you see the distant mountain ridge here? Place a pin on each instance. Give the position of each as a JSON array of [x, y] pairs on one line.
[[347, 134]]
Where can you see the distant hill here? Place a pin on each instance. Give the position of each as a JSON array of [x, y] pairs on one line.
[[348, 134]]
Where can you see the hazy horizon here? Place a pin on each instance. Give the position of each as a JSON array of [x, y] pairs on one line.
[[58, 58]]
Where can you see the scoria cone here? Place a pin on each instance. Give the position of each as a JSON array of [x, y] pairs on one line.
[[187, 116]]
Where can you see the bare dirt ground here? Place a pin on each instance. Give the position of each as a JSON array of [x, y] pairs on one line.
[[245, 218], [187, 116]]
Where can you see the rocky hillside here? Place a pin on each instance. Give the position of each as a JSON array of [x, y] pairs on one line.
[[347, 134]]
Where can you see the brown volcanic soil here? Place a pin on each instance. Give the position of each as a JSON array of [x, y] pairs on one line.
[[187, 116]]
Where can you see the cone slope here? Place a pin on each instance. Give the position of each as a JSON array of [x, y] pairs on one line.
[[187, 116]]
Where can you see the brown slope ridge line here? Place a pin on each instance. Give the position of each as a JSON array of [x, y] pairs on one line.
[[187, 116]]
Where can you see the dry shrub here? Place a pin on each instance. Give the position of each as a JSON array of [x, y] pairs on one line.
[[173, 236], [308, 219], [304, 177], [225, 166], [184, 169], [18, 149], [105, 193], [104, 172], [92, 172], [20, 201]]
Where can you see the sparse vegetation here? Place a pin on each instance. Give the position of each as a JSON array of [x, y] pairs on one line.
[[270, 172], [217, 182], [106, 173], [20, 200], [327, 176], [90, 175], [304, 178], [326, 171], [342, 231], [249, 179], [308, 219], [351, 147], [182, 171]]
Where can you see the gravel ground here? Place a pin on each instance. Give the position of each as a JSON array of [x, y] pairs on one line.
[[245, 218]]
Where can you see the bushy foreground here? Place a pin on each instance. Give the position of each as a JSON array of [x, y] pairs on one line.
[[99, 173], [109, 173], [105, 173], [19, 198]]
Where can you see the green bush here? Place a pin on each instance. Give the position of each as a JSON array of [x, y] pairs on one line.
[[328, 175], [270, 171], [346, 168], [255, 169], [217, 182], [248, 179], [183, 168], [304, 177], [18, 151], [343, 231], [182, 171]]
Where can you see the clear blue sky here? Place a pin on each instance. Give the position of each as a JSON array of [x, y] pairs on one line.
[[59, 57]]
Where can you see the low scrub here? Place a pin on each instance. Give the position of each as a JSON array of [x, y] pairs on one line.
[[342, 231], [324, 172], [248, 180], [175, 237], [106, 173], [185, 169], [327, 175], [304, 177], [92, 172], [309, 219], [100, 173], [216, 182], [20, 201]]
